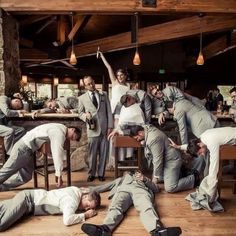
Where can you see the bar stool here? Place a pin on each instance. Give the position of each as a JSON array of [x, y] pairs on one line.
[[126, 142], [227, 152], [43, 169], [2, 151]]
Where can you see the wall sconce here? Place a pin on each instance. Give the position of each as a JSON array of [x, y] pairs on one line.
[[73, 60], [200, 59], [136, 60], [55, 81], [24, 79]]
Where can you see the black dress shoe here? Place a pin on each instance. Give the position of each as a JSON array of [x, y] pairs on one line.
[[101, 178], [90, 178], [96, 230], [169, 231]]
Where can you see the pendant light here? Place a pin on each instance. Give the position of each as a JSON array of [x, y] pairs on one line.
[[200, 59], [136, 60], [73, 60]]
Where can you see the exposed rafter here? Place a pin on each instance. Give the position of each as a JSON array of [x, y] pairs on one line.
[[158, 33], [119, 6]]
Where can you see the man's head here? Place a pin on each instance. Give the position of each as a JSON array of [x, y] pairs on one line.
[[196, 148], [233, 93], [90, 200], [127, 100], [169, 107], [89, 83], [121, 76], [216, 91], [156, 92], [16, 104], [137, 132], [73, 133], [51, 104]]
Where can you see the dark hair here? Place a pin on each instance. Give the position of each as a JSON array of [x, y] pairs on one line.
[[125, 72], [193, 146], [95, 196], [134, 129], [78, 132], [232, 90], [20, 100], [169, 104]]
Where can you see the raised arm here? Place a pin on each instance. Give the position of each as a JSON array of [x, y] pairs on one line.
[[109, 68]]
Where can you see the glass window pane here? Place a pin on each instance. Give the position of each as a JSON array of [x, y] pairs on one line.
[[44, 90], [67, 90]]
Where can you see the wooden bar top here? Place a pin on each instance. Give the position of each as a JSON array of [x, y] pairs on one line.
[[49, 116]]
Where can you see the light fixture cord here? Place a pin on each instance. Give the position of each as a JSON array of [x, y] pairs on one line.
[[136, 25], [200, 34], [72, 24]]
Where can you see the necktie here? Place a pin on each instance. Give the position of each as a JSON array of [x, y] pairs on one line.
[[94, 100]]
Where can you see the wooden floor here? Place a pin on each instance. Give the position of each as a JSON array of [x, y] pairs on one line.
[[173, 209]]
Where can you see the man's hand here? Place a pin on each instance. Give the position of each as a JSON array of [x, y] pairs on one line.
[[139, 176], [161, 118], [173, 144], [90, 213], [112, 134], [109, 131], [59, 181], [88, 115], [35, 114]]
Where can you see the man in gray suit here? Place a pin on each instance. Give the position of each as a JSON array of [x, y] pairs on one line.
[[174, 94], [131, 189], [166, 160], [10, 108], [198, 119], [94, 108]]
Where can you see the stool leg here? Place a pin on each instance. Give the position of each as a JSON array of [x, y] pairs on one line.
[[116, 162], [46, 171], [220, 177], [35, 173], [68, 168]]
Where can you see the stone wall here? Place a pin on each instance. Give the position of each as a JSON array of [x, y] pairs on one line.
[[10, 73]]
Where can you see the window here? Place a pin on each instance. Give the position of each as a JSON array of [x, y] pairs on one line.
[[44, 90], [67, 90], [224, 90]]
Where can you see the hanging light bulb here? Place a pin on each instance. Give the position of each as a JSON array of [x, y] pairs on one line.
[[200, 59], [136, 60], [73, 59]]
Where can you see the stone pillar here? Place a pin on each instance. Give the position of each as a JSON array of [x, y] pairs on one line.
[[10, 73]]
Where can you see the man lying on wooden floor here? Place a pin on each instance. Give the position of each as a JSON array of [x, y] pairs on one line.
[[64, 201], [131, 189]]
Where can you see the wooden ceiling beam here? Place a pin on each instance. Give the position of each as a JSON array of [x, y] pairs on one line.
[[158, 33], [217, 47], [26, 43], [31, 54], [61, 30], [32, 19], [120, 6]]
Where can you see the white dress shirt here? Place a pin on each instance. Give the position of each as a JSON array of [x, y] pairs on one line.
[[56, 133], [66, 200]]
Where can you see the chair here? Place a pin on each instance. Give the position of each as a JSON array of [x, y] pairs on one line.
[[227, 152], [43, 169], [126, 142], [2, 151]]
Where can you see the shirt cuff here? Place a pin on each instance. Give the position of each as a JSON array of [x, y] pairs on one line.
[[184, 147]]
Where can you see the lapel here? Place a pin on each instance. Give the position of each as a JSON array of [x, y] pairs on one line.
[[90, 99]]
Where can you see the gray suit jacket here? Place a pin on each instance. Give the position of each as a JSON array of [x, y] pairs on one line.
[[101, 115], [5, 110], [119, 185], [158, 150], [198, 119]]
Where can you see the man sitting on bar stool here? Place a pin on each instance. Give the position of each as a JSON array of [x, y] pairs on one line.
[[10, 107], [19, 167]]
